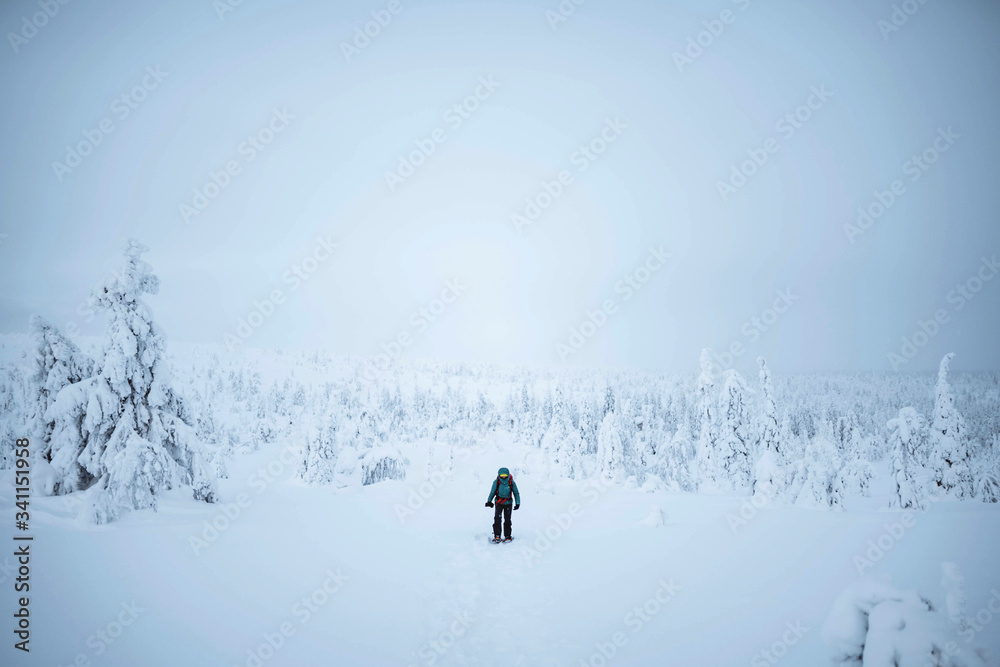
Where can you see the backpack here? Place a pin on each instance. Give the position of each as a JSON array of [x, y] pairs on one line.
[[509, 484]]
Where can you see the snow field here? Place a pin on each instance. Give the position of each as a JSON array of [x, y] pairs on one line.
[[304, 575]]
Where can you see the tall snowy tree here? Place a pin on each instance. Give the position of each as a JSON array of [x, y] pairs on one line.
[[735, 446], [679, 465], [58, 363], [857, 471], [644, 444], [609, 401], [320, 455], [589, 423], [768, 477], [908, 433], [708, 427], [950, 459], [822, 485], [136, 443], [609, 448], [561, 441], [987, 481]]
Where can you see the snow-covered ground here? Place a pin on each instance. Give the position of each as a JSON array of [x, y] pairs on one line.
[[402, 572]]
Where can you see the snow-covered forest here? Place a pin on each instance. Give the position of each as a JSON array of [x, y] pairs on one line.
[[136, 421], [127, 420]]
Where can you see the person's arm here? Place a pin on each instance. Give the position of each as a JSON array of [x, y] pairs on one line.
[[517, 496], [493, 492]]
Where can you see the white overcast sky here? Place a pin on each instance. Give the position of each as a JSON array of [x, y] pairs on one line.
[[655, 185]]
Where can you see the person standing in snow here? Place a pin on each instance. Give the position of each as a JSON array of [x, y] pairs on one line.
[[503, 488]]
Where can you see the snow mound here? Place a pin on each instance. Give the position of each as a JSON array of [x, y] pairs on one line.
[[654, 518], [876, 625]]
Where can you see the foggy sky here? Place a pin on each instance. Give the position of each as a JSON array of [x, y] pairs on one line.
[[197, 85]]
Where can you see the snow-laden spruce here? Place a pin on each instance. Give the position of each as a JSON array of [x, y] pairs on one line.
[[609, 449], [125, 425], [908, 437], [987, 474], [821, 484], [708, 427], [950, 458], [768, 476], [734, 448], [58, 363], [561, 442]]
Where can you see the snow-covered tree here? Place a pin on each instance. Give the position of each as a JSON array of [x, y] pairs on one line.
[[609, 448], [908, 434], [987, 480], [735, 446], [320, 455], [822, 484], [678, 464], [135, 442], [589, 423], [646, 440], [769, 477], [561, 441], [768, 428], [950, 460], [58, 363], [857, 471], [708, 426]]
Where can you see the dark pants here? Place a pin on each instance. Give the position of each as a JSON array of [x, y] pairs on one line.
[[502, 508]]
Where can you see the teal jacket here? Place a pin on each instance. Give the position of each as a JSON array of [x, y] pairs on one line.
[[494, 492]]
